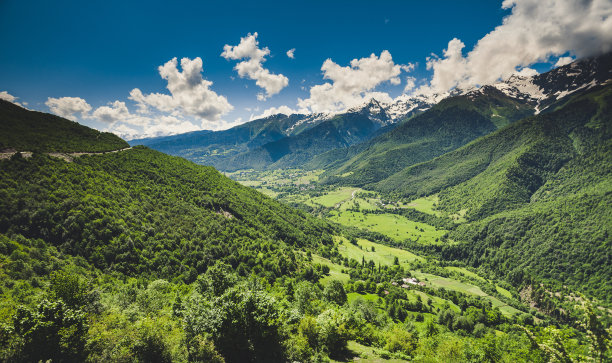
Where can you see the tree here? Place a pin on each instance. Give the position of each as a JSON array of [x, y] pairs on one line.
[[333, 331], [218, 278], [51, 331], [203, 350], [430, 329], [400, 340], [244, 325], [334, 292], [69, 288], [305, 295]]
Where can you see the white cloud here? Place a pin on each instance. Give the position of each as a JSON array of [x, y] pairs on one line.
[[535, 31], [189, 92], [353, 84], [128, 125], [124, 131], [116, 111], [290, 53], [251, 67], [68, 107], [527, 72], [563, 61], [410, 84], [286, 110], [4, 95]]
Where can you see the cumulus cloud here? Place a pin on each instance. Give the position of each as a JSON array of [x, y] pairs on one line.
[[534, 31], [68, 107], [286, 110], [116, 111], [353, 84], [563, 61], [4, 95], [410, 84], [290, 53], [251, 67], [527, 72], [137, 125], [189, 92]]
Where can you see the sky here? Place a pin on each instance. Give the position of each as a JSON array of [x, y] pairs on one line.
[[142, 69]]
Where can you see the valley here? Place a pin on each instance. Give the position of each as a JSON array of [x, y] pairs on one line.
[[475, 228]]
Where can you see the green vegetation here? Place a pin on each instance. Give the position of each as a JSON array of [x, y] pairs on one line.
[[146, 213], [25, 130], [394, 226], [380, 254], [448, 125], [475, 255], [537, 206]]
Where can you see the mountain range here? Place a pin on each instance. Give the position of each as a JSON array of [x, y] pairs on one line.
[[334, 141], [130, 254]]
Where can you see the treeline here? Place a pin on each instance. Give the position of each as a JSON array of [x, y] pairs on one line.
[[24, 130]]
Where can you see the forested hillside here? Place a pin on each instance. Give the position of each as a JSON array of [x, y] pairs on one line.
[[537, 193], [340, 132], [141, 212], [450, 124], [25, 130]]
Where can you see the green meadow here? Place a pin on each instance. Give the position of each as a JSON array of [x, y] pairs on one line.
[[395, 226]]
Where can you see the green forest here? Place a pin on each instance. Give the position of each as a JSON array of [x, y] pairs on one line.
[[474, 231]]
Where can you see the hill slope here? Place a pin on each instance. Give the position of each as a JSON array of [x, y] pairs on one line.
[[538, 194], [25, 130], [450, 124], [144, 212]]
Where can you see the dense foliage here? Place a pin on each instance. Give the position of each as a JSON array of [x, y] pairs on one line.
[[143, 212], [537, 193], [25, 130]]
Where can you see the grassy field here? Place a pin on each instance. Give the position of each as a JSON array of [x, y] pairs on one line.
[[395, 226], [335, 271], [503, 291], [333, 198], [380, 254], [364, 354], [424, 204], [361, 203], [436, 301], [450, 284], [352, 296]]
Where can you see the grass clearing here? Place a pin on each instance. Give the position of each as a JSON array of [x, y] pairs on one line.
[[365, 354], [503, 291], [437, 302], [450, 284], [424, 204], [465, 272], [352, 296], [380, 254], [335, 197], [335, 271], [395, 226]]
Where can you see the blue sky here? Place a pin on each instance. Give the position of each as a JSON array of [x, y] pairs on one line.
[[100, 51]]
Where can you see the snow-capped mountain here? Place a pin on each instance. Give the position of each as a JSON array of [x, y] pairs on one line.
[[539, 90], [543, 89], [406, 106]]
